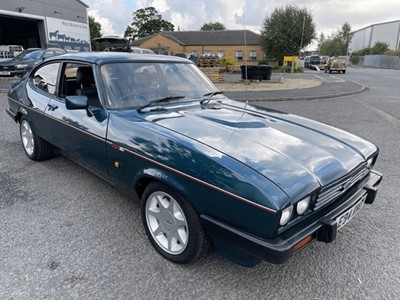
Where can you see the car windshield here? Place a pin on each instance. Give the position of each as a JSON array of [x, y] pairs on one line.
[[134, 85], [29, 54]]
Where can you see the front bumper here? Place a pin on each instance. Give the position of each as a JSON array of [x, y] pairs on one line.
[[11, 114], [247, 249]]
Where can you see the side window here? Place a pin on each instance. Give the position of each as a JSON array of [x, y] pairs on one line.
[[78, 80], [45, 78]]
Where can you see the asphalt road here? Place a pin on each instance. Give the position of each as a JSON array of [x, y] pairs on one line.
[[65, 234]]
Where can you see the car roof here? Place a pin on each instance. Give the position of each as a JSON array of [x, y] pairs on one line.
[[105, 57]]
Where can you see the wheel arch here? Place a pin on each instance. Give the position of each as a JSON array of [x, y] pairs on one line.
[[150, 175]]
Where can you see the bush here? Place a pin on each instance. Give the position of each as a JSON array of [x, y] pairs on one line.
[[288, 69], [229, 61], [355, 59], [378, 48]]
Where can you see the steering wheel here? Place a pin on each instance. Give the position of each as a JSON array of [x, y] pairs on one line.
[[134, 99]]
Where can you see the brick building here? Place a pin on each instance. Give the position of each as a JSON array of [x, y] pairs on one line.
[[243, 45]]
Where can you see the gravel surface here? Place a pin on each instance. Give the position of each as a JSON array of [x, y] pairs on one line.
[[281, 84]]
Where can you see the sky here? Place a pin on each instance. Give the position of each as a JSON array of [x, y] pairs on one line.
[[328, 15]]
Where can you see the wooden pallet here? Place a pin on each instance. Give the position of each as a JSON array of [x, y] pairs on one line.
[[215, 74]]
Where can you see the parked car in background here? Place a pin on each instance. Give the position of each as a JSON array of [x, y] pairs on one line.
[[323, 60], [188, 56], [257, 183], [8, 52], [306, 61], [120, 44], [140, 50], [26, 60], [336, 64], [315, 60], [301, 62]]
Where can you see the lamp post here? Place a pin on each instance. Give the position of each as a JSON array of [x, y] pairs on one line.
[[302, 35]]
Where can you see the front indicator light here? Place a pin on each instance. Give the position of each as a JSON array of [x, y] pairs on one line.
[[302, 243], [302, 206], [286, 215]]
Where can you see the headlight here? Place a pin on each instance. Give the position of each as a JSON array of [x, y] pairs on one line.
[[21, 66], [286, 215], [303, 205]]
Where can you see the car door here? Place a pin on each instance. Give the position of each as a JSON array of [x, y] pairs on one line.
[[79, 133]]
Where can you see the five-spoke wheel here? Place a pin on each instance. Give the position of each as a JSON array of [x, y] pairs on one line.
[[172, 224], [34, 146]]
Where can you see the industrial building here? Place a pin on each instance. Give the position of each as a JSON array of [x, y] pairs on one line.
[[40, 23], [388, 32]]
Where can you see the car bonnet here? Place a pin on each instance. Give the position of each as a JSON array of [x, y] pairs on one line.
[[295, 153]]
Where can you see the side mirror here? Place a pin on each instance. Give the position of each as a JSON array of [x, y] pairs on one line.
[[76, 102]]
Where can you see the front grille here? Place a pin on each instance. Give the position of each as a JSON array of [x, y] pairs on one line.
[[7, 68], [333, 191]]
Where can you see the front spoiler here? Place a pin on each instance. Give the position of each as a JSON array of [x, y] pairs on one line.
[[248, 250]]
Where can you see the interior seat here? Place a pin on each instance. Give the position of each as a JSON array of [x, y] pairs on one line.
[[85, 79]]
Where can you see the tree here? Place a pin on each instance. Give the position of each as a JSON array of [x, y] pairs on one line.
[[287, 31], [212, 26], [95, 32], [146, 21], [380, 48], [337, 43]]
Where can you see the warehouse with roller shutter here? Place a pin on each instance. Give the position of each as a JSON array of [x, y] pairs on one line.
[[44, 23]]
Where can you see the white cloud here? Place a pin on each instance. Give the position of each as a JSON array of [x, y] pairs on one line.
[[328, 15], [113, 15], [106, 25]]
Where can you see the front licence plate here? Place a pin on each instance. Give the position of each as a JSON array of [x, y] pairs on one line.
[[4, 73], [344, 218]]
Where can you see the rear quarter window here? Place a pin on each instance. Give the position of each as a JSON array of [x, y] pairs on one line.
[[45, 78]]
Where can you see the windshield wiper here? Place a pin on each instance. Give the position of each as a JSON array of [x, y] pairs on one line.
[[164, 99], [209, 95]]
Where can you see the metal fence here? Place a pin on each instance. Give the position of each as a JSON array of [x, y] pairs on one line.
[[379, 61]]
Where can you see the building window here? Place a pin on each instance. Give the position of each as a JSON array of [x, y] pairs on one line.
[[221, 53], [253, 55], [239, 55]]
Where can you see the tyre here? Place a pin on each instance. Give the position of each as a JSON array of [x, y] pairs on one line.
[[172, 225], [35, 147], [344, 71]]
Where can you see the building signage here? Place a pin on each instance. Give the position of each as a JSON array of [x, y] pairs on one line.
[[68, 34]]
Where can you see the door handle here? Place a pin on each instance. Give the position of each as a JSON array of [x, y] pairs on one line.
[[52, 107]]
